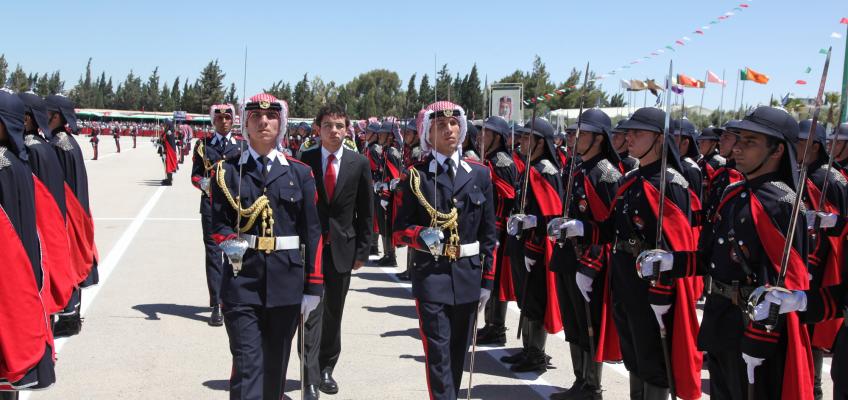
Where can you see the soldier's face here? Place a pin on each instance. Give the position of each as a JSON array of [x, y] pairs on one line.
[[753, 155], [410, 138], [29, 123], [525, 143], [445, 131], [840, 151], [487, 141], [332, 130], [619, 142], [706, 146], [585, 142], [811, 155], [262, 128], [640, 142], [726, 142], [223, 122]]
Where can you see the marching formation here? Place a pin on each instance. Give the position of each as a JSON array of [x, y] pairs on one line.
[[614, 235]]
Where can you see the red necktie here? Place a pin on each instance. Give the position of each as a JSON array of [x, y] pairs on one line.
[[330, 177]]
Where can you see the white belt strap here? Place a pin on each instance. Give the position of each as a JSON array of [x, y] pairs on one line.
[[280, 242]]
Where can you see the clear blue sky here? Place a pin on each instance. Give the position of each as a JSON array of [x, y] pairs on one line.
[[338, 40]]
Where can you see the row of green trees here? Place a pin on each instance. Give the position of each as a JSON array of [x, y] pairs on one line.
[[378, 92]]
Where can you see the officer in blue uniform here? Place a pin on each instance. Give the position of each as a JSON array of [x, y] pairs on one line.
[[265, 219], [448, 220], [222, 145]]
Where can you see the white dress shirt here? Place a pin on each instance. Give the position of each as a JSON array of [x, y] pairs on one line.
[[336, 163]]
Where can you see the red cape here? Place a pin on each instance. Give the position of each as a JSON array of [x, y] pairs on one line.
[[81, 236], [824, 333], [798, 369], [551, 206], [686, 359], [59, 276], [170, 158], [23, 320]]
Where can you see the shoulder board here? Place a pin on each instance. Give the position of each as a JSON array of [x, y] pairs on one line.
[[309, 144], [677, 178], [719, 159], [837, 177], [296, 161], [787, 195], [416, 152], [393, 151], [4, 160], [349, 144], [548, 168], [471, 155], [503, 160], [30, 140], [609, 173], [691, 163], [63, 142]]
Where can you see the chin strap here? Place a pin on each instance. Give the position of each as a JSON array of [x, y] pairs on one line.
[[650, 149]]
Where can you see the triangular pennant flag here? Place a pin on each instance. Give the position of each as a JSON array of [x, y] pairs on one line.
[[737, 8], [800, 82], [713, 22], [686, 38], [807, 70], [698, 31], [743, 5], [705, 27], [670, 48], [680, 42], [823, 51], [836, 35], [713, 78], [843, 21]]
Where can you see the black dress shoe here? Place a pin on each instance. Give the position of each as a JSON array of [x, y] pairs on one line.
[[216, 319], [492, 335], [515, 358], [375, 251], [67, 326], [387, 261], [404, 276], [533, 361], [328, 384], [311, 393]]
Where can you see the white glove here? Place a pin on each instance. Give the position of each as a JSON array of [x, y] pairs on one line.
[[309, 304], [519, 222], [528, 263], [484, 298], [584, 283], [826, 219], [394, 183], [659, 311], [648, 259], [384, 204], [572, 228], [751, 363], [788, 302]]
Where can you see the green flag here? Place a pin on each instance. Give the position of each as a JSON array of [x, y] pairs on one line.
[[807, 70], [823, 51]]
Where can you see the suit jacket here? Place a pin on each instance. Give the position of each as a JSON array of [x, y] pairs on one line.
[[346, 218], [444, 281], [281, 277]]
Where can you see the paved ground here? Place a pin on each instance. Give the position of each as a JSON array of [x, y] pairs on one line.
[[145, 333]]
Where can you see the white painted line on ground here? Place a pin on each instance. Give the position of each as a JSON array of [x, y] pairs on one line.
[[108, 264], [532, 380], [102, 157]]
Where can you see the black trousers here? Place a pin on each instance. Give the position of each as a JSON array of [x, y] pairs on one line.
[[214, 255], [495, 313], [260, 342], [446, 334], [729, 376], [324, 325], [385, 224], [839, 367]]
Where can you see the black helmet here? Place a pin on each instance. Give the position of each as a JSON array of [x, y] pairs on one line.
[[542, 128], [498, 125], [645, 119], [12, 115], [598, 123], [35, 105], [63, 105], [683, 127], [776, 123], [710, 133]]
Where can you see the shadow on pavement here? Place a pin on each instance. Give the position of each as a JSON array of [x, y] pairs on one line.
[[191, 312], [400, 311], [411, 357], [498, 391], [390, 292], [218, 384], [150, 182], [411, 332], [375, 276]]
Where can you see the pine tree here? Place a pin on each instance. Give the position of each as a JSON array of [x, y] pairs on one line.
[[175, 94], [19, 81], [472, 95], [150, 99], [301, 98], [231, 97], [42, 87], [4, 70], [443, 83], [411, 105], [425, 92], [210, 85]]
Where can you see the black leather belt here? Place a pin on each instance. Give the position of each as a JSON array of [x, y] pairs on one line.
[[632, 246], [734, 292]]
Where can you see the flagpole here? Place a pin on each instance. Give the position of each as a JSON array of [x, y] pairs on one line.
[[736, 95], [645, 98], [721, 102], [843, 100], [742, 99], [703, 91]]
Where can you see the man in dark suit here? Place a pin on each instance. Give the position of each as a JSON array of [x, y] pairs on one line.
[[344, 185]]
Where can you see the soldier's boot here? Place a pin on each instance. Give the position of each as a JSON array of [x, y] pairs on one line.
[[67, 325], [95, 152], [818, 359], [525, 344], [133, 141], [535, 359], [9, 395], [655, 392], [492, 335], [637, 388], [578, 363], [592, 389], [118, 144]]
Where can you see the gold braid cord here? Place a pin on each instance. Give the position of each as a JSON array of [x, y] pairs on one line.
[[201, 152], [261, 207], [444, 221]]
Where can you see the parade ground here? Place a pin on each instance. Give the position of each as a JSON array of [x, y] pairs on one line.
[[145, 332]]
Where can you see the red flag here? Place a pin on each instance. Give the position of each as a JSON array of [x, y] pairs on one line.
[[743, 5], [680, 42], [843, 21], [800, 82]]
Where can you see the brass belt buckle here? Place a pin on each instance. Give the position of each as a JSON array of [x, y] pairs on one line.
[[451, 251], [266, 244]]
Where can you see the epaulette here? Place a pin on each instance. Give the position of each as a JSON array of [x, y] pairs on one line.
[[691, 163], [349, 144], [4, 161], [63, 142], [548, 168], [471, 155], [609, 173], [393, 151], [720, 160], [309, 144], [788, 194], [30, 140], [417, 153], [838, 178], [677, 178], [377, 148], [503, 160]]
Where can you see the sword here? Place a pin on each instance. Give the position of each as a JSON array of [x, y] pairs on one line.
[[759, 294], [473, 348], [830, 151], [522, 204]]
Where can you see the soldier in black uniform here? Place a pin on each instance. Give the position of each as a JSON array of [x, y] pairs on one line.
[[116, 134], [469, 146], [709, 160], [222, 145], [722, 177], [840, 152], [374, 153], [619, 143], [543, 202], [639, 307], [62, 122], [582, 273], [448, 220], [685, 135], [277, 280], [95, 139], [492, 144], [743, 250], [391, 170]]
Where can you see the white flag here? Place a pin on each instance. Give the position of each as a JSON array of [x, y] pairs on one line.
[[836, 35], [625, 84]]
